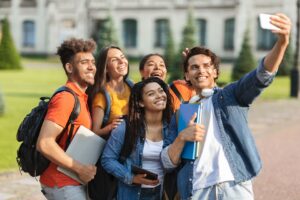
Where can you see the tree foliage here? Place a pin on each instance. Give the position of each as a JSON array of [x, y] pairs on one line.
[[188, 41], [9, 57], [107, 34], [245, 61], [287, 62], [169, 53]]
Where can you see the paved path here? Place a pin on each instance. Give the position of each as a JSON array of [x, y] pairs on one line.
[[278, 141], [276, 127]]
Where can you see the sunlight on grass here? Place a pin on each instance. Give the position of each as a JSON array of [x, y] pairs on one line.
[[23, 88], [279, 89]]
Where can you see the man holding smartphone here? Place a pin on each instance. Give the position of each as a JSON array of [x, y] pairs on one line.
[[229, 159]]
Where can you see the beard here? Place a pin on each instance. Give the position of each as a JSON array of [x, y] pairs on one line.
[[82, 78]]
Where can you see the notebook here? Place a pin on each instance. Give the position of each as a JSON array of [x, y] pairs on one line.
[[191, 149], [86, 147]]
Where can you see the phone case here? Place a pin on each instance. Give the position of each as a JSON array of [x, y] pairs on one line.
[[138, 170], [264, 20]]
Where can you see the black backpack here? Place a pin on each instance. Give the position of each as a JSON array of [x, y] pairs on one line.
[[28, 158], [104, 185]]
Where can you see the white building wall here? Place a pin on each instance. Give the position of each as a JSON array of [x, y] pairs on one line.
[[15, 24], [50, 16], [41, 27]]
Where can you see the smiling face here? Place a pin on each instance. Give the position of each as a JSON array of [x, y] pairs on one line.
[[154, 67], [154, 97], [117, 64], [200, 72], [82, 69]]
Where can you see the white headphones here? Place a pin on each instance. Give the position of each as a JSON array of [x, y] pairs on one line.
[[207, 92]]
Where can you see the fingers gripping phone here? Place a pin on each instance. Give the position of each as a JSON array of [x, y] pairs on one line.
[[265, 23], [138, 170]]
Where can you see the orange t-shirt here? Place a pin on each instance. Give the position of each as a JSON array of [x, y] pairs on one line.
[[59, 110], [184, 89]]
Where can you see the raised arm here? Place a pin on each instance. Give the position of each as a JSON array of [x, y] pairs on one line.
[[275, 56]]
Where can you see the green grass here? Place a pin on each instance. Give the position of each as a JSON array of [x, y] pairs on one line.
[[279, 89], [23, 88]]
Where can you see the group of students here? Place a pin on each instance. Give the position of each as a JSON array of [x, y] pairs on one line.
[[141, 122]]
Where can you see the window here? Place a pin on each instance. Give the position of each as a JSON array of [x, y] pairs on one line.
[[28, 34], [265, 38], [28, 3], [5, 3], [229, 34], [99, 27], [201, 25], [130, 33], [161, 32]]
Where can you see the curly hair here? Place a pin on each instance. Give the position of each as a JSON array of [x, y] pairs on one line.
[[69, 48], [215, 61], [136, 116]]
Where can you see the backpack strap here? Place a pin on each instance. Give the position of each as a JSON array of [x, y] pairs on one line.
[[108, 102], [123, 153], [176, 92], [107, 107], [129, 82], [73, 116]]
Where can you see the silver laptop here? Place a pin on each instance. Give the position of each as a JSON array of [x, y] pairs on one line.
[[86, 147]]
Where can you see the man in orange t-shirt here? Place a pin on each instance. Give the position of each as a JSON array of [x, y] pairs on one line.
[[79, 64]]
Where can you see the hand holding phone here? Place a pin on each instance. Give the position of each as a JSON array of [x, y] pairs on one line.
[[265, 23], [149, 175]]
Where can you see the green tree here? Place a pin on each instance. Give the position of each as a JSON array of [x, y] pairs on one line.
[[9, 57], [287, 62], [169, 53], [188, 41], [107, 34], [245, 61]]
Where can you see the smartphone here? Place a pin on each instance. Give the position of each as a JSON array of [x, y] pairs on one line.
[[265, 23], [138, 170]]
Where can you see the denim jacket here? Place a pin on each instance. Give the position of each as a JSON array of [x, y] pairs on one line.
[[231, 105], [110, 162]]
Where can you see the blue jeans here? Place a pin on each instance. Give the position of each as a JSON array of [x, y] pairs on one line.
[[225, 191], [65, 193], [151, 193]]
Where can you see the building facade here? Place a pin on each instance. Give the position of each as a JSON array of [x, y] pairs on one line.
[[39, 26]]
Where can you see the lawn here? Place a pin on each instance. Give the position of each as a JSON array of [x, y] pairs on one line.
[[22, 90], [279, 89]]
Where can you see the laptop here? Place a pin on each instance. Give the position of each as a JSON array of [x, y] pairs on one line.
[[86, 147]]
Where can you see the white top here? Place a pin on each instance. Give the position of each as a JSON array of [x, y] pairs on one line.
[[212, 166], [151, 160]]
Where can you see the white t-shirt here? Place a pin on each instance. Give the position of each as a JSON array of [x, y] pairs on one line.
[[151, 160], [212, 166]]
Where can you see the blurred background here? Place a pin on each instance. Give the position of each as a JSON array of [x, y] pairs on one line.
[[31, 30], [142, 26]]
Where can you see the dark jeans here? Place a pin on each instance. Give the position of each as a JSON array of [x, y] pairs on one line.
[[151, 193]]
